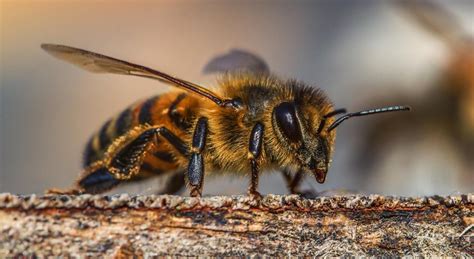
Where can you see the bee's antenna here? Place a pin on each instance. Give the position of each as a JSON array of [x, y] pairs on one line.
[[367, 112], [329, 115]]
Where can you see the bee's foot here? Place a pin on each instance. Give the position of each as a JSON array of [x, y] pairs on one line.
[[195, 192], [307, 194], [64, 192], [255, 195]]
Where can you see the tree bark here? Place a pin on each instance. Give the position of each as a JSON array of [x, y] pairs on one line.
[[123, 225]]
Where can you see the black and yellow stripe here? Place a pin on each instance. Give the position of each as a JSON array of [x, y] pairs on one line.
[[164, 109], [123, 122], [176, 118], [146, 111]]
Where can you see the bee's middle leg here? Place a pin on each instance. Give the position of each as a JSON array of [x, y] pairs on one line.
[[195, 173], [255, 150]]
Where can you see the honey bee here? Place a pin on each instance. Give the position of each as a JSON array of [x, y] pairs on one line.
[[252, 122]]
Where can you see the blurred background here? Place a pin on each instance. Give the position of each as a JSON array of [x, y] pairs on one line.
[[362, 53]]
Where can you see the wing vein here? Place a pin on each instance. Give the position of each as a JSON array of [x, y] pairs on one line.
[[98, 63]]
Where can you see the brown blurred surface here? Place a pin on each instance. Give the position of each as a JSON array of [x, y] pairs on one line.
[[435, 142], [144, 226]]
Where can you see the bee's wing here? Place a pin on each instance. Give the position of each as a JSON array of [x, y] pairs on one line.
[[237, 61], [99, 63]]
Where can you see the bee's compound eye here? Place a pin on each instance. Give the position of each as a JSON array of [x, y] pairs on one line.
[[287, 121]]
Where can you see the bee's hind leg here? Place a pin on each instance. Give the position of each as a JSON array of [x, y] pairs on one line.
[[174, 184], [95, 179], [122, 163]]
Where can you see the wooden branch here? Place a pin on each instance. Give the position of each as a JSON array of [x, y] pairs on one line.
[[121, 225]]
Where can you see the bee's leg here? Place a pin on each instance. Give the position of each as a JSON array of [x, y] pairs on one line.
[[174, 140], [97, 179], [288, 179], [94, 179], [174, 184], [121, 163], [125, 163], [196, 162], [293, 183], [255, 149]]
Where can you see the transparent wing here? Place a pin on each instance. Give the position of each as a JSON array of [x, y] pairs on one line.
[[237, 61], [99, 63]]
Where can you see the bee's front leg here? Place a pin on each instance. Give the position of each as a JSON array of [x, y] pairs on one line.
[[293, 184], [255, 150], [196, 162]]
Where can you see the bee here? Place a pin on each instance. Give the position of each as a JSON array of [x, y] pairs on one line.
[[252, 122]]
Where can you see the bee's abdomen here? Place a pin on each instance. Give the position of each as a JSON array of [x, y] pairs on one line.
[[113, 128], [172, 110]]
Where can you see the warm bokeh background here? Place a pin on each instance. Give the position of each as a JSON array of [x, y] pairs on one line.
[[357, 51]]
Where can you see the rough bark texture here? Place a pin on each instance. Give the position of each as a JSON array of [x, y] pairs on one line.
[[122, 225]]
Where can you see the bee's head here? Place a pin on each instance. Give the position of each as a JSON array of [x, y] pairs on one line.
[[309, 148], [309, 138]]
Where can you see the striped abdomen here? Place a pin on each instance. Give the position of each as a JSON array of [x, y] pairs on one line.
[[174, 110]]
